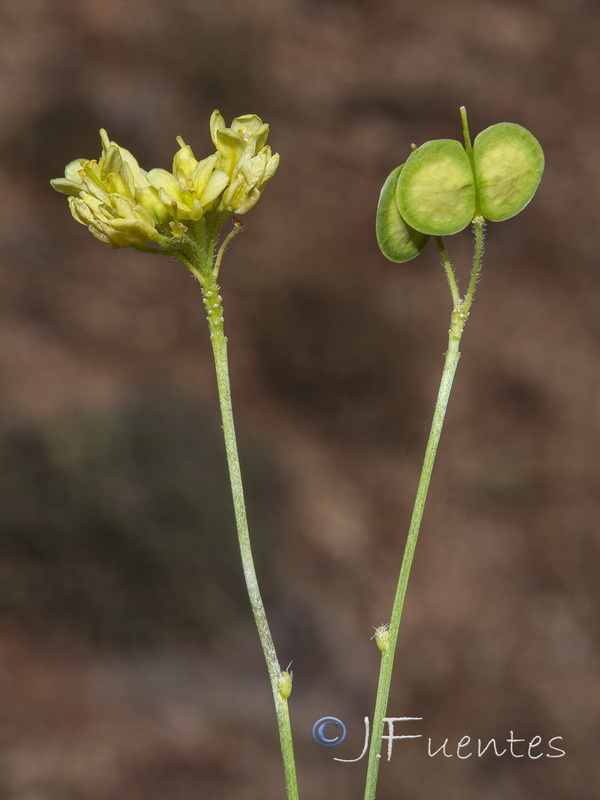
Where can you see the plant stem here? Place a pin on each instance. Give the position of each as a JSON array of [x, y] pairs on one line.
[[479, 230], [460, 314], [450, 276], [212, 302], [233, 232]]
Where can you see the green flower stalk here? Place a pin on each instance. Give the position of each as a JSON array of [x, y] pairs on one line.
[[181, 214], [441, 189]]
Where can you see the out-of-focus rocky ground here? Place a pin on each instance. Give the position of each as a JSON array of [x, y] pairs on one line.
[[129, 668]]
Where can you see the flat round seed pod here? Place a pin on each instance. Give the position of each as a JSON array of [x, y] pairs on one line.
[[397, 240], [509, 163], [436, 189]]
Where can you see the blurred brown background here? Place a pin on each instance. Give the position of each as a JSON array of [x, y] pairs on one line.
[[129, 667]]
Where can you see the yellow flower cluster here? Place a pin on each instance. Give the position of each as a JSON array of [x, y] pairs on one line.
[[124, 206]]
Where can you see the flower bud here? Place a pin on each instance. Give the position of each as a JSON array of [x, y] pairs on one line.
[[382, 636], [285, 684], [249, 181], [246, 136], [150, 200], [184, 161]]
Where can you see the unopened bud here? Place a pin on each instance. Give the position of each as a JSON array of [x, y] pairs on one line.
[[285, 684], [382, 637]]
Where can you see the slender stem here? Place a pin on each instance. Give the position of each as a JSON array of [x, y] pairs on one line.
[[233, 232], [212, 302], [479, 230], [387, 656], [460, 314], [451, 277]]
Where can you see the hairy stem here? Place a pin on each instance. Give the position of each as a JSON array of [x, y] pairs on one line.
[[459, 318], [212, 302], [450, 276]]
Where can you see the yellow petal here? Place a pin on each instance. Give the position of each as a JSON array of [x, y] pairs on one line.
[[217, 181], [231, 146], [249, 202], [270, 169], [217, 123], [184, 161], [86, 208], [80, 211], [202, 172], [72, 182], [99, 234], [116, 183], [129, 158], [165, 181], [195, 210], [134, 231], [91, 188], [111, 161], [150, 200], [255, 168], [251, 128], [234, 194]]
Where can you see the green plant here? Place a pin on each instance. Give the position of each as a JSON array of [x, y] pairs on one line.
[[182, 214], [438, 191]]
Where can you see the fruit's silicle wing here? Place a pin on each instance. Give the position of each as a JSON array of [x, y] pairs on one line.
[[436, 189], [509, 163], [397, 240]]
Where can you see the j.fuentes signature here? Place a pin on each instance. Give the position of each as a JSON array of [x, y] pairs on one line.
[[331, 731]]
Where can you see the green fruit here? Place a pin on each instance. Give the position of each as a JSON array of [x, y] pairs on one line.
[[436, 189], [397, 240], [508, 163]]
